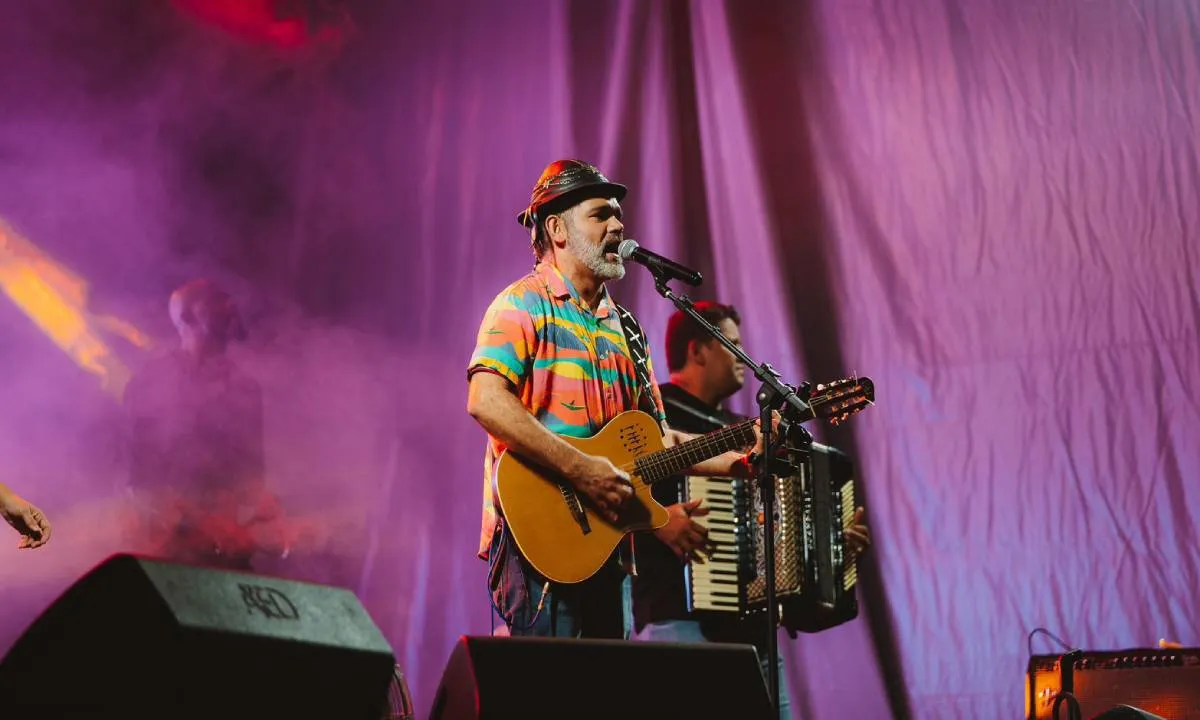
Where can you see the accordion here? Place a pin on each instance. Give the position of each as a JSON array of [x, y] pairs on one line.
[[815, 573]]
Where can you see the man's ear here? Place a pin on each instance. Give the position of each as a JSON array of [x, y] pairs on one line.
[[695, 352], [556, 229]]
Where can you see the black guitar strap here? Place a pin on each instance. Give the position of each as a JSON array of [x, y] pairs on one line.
[[641, 360], [715, 422]]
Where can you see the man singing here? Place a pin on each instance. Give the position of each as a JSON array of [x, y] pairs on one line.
[[553, 358]]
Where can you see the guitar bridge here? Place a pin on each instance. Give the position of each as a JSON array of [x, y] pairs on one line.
[[576, 508]]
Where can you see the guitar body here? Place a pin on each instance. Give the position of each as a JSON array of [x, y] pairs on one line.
[[555, 526]]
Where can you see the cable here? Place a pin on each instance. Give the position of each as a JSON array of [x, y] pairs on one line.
[[1074, 712], [1063, 643], [493, 554], [541, 602]]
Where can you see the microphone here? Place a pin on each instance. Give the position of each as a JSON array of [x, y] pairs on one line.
[[659, 265]]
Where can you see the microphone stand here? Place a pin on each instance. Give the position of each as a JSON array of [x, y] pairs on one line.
[[773, 395]]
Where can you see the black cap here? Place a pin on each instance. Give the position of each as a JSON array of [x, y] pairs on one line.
[[564, 183]]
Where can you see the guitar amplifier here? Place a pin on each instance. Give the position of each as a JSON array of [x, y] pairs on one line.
[[1163, 682]]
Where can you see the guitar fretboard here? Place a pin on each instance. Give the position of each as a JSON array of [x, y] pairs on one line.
[[673, 460]]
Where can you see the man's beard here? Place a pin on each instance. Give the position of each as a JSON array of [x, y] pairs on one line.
[[592, 256]]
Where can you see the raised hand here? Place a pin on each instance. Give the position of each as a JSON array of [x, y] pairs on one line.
[[27, 520]]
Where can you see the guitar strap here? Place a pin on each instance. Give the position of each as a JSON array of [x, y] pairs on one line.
[[636, 339], [715, 422]]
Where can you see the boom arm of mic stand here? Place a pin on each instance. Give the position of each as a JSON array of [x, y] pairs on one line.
[[772, 395]]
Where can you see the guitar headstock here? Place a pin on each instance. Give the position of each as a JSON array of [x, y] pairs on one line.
[[836, 401]]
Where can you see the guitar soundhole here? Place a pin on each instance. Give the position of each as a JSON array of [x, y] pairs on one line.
[[633, 439]]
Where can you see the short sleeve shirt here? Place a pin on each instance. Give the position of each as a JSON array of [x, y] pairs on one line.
[[571, 367]]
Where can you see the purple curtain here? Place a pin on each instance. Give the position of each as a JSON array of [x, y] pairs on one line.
[[989, 208]]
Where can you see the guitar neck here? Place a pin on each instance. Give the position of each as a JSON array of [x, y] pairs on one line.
[[674, 460], [837, 400]]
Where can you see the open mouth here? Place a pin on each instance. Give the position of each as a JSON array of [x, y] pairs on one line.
[[610, 250]]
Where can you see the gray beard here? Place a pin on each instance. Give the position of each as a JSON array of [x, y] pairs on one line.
[[592, 257]]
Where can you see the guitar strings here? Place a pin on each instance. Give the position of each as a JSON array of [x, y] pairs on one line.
[[665, 463], [668, 462], [671, 460]]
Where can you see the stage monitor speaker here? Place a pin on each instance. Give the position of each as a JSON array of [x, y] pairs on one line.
[[501, 677], [1159, 682], [141, 638]]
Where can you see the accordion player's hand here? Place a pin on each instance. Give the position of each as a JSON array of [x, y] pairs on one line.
[[858, 536], [686, 537]]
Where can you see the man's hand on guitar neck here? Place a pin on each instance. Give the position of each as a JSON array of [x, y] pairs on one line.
[[730, 464]]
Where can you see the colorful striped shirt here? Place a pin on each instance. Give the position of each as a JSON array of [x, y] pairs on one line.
[[571, 368]]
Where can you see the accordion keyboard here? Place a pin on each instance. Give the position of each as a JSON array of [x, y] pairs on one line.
[[714, 585]]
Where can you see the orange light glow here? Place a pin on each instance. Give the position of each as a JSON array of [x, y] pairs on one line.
[[56, 300]]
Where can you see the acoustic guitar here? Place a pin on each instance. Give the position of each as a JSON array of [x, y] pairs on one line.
[[562, 535]]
